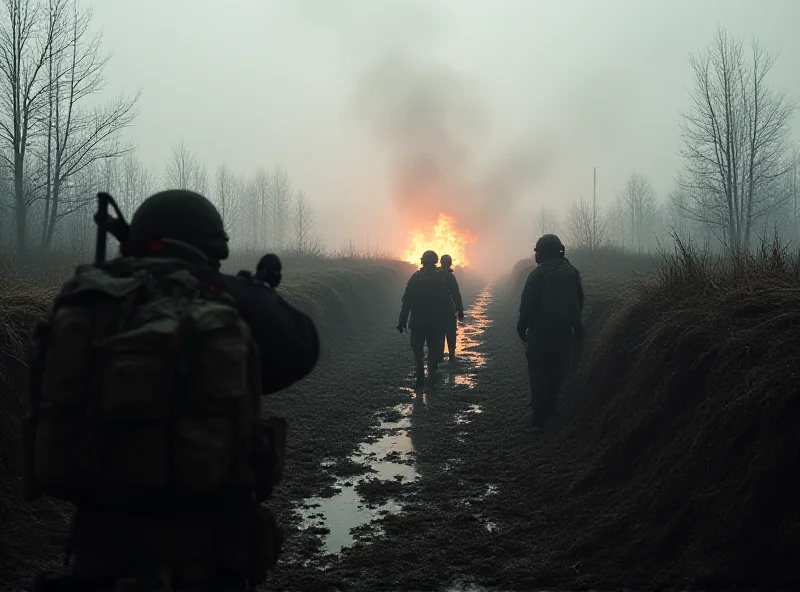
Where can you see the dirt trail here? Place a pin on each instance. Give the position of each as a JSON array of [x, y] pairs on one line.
[[421, 489]]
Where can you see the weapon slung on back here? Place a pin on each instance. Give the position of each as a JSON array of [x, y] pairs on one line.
[[116, 226]]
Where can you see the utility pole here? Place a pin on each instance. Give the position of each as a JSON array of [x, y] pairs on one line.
[[594, 210]]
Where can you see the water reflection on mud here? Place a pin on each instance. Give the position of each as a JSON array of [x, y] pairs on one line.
[[388, 460], [389, 456], [469, 358]]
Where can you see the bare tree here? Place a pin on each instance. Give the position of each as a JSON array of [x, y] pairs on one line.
[[303, 222], [185, 170], [637, 209], [260, 195], [137, 182], [224, 192], [734, 139], [77, 136], [27, 40], [586, 229], [676, 217], [280, 199]]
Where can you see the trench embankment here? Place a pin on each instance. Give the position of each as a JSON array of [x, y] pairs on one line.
[[674, 462]]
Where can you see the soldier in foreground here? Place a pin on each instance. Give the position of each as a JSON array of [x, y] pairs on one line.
[[145, 402], [458, 305], [549, 318], [428, 301]]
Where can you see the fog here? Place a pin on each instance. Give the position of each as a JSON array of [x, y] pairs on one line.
[[385, 113]]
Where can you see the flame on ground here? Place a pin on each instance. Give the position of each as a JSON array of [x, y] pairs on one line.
[[446, 239]]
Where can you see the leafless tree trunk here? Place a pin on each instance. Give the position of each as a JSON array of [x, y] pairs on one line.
[[78, 136], [734, 139], [280, 189], [27, 34], [137, 183], [638, 207], [260, 196], [586, 228], [224, 192], [303, 222], [185, 170], [676, 218]]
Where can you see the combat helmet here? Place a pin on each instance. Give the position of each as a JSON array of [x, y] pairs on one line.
[[180, 215], [548, 245], [429, 258], [447, 261]]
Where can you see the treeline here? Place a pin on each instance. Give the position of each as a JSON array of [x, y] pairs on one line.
[[740, 176], [59, 145]]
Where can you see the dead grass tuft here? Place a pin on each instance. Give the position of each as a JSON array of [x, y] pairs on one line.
[[687, 409]]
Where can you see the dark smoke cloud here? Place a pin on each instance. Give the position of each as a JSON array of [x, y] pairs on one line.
[[436, 131]]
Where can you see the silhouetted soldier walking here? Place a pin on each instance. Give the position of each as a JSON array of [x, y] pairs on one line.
[[549, 317], [451, 326]]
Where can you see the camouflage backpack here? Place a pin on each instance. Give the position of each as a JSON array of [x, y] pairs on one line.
[[145, 382]]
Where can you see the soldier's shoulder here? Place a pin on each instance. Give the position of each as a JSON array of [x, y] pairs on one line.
[[536, 272]]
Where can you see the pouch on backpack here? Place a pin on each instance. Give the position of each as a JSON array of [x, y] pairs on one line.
[[143, 384]]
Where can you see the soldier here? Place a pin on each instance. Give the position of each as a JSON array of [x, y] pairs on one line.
[[428, 300], [169, 468], [458, 305], [549, 316]]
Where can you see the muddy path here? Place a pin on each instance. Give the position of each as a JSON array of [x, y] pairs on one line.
[[415, 501]]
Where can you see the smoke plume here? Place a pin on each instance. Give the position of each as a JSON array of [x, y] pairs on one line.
[[436, 133]]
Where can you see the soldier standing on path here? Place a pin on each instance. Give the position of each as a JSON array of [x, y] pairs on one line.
[[145, 404], [458, 304], [427, 299], [549, 319]]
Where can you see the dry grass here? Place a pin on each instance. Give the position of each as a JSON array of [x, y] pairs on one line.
[[687, 411]]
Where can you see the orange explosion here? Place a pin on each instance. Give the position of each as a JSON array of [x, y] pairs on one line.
[[446, 239]]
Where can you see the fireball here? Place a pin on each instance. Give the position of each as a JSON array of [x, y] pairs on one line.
[[445, 238]]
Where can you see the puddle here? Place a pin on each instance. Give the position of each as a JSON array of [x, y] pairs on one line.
[[468, 357], [389, 456], [338, 515], [466, 416]]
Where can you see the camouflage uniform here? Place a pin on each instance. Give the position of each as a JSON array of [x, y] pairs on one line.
[[549, 317], [428, 301]]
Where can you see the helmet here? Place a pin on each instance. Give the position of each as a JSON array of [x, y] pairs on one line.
[[181, 215], [447, 261], [549, 243], [548, 246], [429, 258]]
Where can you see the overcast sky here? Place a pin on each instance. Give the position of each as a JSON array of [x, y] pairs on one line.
[[524, 96]]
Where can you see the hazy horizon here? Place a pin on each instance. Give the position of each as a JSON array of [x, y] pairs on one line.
[[514, 106]]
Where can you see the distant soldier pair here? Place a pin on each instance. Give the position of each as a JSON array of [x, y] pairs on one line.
[[433, 299]]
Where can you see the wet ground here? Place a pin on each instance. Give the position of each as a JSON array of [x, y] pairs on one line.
[[444, 489], [387, 456], [408, 463], [449, 488]]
